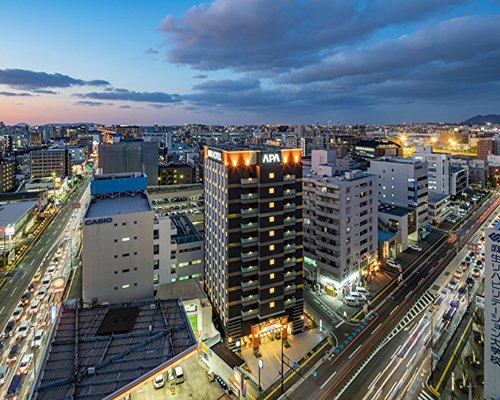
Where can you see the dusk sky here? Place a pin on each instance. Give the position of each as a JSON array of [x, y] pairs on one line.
[[248, 61]]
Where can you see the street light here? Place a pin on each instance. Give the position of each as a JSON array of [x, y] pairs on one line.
[[260, 362]]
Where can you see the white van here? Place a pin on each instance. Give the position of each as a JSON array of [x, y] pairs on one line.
[[394, 264], [351, 301], [361, 297], [179, 375], [363, 291]]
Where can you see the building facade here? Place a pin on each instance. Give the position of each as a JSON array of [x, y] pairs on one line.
[[49, 163], [7, 175], [175, 174], [253, 241], [438, 168]]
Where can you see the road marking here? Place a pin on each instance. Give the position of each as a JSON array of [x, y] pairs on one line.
[[13, 291], [379, 325], [420, 281], [340, 323], [328, 380], [25, 272], [355, 351], [411, 359], [394, 309], [3, 308], [410, 292]]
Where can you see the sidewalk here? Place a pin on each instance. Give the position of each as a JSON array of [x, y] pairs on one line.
[[300, 345]]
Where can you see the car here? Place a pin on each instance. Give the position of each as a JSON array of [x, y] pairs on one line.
[[472, 254], [46, 281], [470, 282], [25, 364], [51, 269], [458, 273], [37, 277], [158, 381], [445, 292], [394, 264], [17, 313], [449, 313], [351, 301], [171, 377], [25, 298], [363, 291], [479, 263], [415, 247], [453, 284], [462, 291], [41, 293], [4, 370], [464, 265], [179, 374], [23, 330], [37, 339], [14, 387], [34, 306], [476, 272], [31, 287], [360, 297], [9, 329], [13, 353]]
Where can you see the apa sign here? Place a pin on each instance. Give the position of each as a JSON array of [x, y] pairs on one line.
[[98, 221], [268, 158], [214, 155]]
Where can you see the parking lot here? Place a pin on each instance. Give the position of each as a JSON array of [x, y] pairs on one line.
[[195, 386]]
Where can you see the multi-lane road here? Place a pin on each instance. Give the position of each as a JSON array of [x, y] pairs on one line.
[[331, 376]]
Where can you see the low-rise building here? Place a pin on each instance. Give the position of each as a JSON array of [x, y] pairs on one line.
[[438, 207]]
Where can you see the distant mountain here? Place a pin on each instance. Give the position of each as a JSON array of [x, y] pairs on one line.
[[483, 119]]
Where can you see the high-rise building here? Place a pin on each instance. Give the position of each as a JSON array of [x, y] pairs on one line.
[[253, 240], [438, 168], [7, 175], [52, 162], [485, 148], [175, 174], [492, 315], [132, 155], [340, 222], [403, 182]]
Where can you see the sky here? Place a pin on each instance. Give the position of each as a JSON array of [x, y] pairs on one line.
[[248, 61]]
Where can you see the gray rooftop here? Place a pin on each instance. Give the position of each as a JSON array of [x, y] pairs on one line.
[[435, 197], [96, 352], [186, 231], [10, 213], [394, 210], [124, 204]]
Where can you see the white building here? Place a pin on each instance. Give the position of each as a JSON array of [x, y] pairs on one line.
[[438, 168], [403, 182], [439, 207], [340, 221]]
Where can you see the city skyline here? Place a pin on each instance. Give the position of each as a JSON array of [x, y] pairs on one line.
[[240, 62]]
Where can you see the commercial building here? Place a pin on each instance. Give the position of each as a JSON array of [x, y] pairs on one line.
[[52, 162], [7, 175], [132, 155], [439, 207], [403, 182], [340, 222], [253, 241], [438, 168], [401, 222], [485, 148], [491, 314], [459, 179], [372, 148], [175, 174]]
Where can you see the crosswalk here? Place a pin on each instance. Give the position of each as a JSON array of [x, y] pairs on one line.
[[423, 395]]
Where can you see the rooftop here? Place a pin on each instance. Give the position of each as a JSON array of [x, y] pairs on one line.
[[383, 236], [376, 143], [394, 210], [96, 352], [185, 290], [124, 204], [251, 147], [229, 356], [186, 231], [10, 213], [435, 197]]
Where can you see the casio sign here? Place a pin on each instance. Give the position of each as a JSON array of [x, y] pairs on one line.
[[98, 221], [214, 155], [271, 158]]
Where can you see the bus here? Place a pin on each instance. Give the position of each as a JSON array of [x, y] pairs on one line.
[[14, 387]]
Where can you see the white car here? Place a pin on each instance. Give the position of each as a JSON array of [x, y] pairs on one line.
[[46, 281], [158, 381], [17, 313], [394, 264], [23, 329], [415, 247], [34, 306], [37, 339], [25, 364], [41, 293]]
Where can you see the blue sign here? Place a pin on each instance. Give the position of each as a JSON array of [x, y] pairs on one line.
[[53, 313], [98, 221], [495, 237]]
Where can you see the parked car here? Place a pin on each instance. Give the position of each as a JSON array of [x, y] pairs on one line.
[[158, 381], [46, 281], [37, 339], [179, 375], [351, 301], [415, 247], [394, 264], [363, 291], [361, 298], [25, 364]]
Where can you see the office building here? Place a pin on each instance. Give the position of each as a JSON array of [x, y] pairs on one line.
[[253, 241], [132, 155], [340, 222], [7, 175], [371, 148], [438, 168], [52, 162], [459, 179], [175, 174], [485, 148], [491, 314], [403, 182]]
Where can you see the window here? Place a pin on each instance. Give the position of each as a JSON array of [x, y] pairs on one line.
[[271, 190], [156, 234], [125, 239], [125, 255], [271, 290], [271, 261], [125, 270], [271, 247], [271, 175], [124, 223], [271, 204], [271, 233], [125, 286], [271, 304], [271, 219], [156, 249], [271, 276]]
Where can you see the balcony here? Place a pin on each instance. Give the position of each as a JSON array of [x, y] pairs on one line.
[[289, 221], [251, 298], [288, 192], [249, 212], [249, 240], [290, 261], [290, 248], [249, 313], [251, 255], [290, 288], [249, 226], [248, 196], [248, 181], [251, 284], [290, 302], [249, 270], [289, 206], [289, 275], [289, 177], [290, 233]]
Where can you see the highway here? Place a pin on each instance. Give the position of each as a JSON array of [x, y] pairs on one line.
[[55, 248], [331, 375]]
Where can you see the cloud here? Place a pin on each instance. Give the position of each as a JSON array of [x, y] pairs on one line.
[[130, 95], [125, 106], [151, 51], [44, 91], [200, 76], [89, 103], [12, 94], [228, 85], [33, 80]]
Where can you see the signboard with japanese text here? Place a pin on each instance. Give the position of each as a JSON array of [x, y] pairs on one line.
[[492, 315]]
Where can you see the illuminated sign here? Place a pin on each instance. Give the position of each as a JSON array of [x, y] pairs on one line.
[[268, 158], [98, 221], [214, 155]]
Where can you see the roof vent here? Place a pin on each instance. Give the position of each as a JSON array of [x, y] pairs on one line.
[[91, 370]]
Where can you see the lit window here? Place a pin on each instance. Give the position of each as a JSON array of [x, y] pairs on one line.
[[271, 304], [125, 239], [271, 219], [271, 290], [271, 190], [271, 233], [125, 286], [271, 247], [271, 261], [271, 175], [271, 204], [271, 276]]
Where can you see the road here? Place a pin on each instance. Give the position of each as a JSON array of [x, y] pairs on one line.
[[331, 375]]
